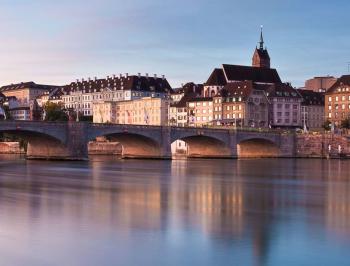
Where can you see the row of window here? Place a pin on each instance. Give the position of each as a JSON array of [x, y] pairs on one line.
[[336, 98]]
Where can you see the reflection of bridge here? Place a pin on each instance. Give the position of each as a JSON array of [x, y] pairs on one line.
[[56, 140]]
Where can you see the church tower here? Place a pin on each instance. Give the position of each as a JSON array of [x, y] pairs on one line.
[[261, 57]]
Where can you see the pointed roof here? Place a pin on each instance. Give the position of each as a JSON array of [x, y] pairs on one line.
[[343, 80], [217, 78], [255, 74]]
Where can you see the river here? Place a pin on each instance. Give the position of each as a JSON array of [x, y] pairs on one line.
[[195, 212]]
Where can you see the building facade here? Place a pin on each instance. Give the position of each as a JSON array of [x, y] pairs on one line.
[[144, 111], [337, 101], [200, 111], [312, 109], [320, 84]]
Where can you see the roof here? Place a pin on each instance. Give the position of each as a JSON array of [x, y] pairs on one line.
[[255, 74], [189, 87], [241, 89], [27, 85], [135, 83], [283, 90], [343, 80], [217, 78], [201, 99], [311, 97]]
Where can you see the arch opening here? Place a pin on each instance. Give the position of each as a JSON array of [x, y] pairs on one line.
[[37, 145], [257, 148], [200, 146], [128, 145]]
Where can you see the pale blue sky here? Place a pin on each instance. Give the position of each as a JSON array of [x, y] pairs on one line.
[[57, 42]]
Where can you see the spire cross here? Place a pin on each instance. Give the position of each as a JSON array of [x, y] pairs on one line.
[[261, 38]]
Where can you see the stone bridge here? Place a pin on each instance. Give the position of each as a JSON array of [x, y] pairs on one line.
[[69, 140]]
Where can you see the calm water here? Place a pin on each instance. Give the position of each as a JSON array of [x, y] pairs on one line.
[[220, 212]]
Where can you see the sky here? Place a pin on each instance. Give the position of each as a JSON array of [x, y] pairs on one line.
[[57, 42]]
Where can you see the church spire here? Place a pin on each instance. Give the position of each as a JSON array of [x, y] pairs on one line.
[[261, 38]]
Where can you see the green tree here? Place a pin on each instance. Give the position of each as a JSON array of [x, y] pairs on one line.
[[327, 125], [345, 123], [55, 112]]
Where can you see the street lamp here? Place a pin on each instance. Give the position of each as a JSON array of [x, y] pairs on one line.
[[77, 112]]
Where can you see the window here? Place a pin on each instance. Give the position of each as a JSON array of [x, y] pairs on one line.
[[330, 98]]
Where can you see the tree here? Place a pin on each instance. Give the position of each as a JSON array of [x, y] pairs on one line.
[[327, 125], [54, 112], [345, 123]]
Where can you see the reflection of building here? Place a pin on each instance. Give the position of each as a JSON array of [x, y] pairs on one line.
[[337, 101], [312, 108], [144, 111]]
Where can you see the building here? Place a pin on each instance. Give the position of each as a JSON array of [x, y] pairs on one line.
[[261, 56], [143, 111], [200, 111], [242, 104], [312, 109], [320, 84], [26, 91], [285, 106], [260, 72], [82, 94], [337, 101]]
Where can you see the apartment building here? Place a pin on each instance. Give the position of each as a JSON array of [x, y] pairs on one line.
[[200, 111], [337, 101], [312, 109], [144, 111]]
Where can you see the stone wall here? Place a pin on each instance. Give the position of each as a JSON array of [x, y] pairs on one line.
[[10, 148], [104, 148], [321, 145]]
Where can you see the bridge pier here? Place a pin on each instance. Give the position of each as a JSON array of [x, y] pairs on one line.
[[48, 148]]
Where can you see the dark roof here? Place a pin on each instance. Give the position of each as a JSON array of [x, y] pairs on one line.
[[255, 74], [201, 99], [217, 78], [135, 83], [343, 80], [189, 87], [183, 102], [27, 85], [283, 90], [311, 97]]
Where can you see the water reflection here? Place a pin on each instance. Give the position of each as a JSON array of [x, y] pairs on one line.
[[248, 212]]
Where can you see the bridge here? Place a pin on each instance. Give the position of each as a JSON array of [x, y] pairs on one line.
[[69, 140]]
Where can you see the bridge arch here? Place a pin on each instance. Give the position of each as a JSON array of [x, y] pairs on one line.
[[203, 143], [135, 142], [258, 147], [42, 141]]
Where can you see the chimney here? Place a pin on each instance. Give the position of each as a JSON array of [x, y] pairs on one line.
[[95, 78], [107, 77], [77, 80], [139, 74], [89, 79], [113, 76], [126, 74], [155, 76], [163, 77], [146, 75], [120, 75], [82, 80]]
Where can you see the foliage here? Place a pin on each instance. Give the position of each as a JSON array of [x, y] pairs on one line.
[[345, 123], [327, 125], [54, 112]]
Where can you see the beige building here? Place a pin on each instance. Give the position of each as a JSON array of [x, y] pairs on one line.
[[320, 84], [26, 92], [144, 111], [200, 111]]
